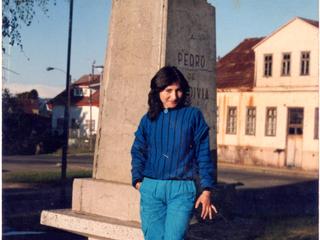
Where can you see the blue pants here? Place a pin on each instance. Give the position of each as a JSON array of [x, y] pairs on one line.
[[166, 207]]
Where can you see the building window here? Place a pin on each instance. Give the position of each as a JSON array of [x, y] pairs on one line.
[[251, 121], [271, 121], [232, 120], [77, 92], [316, 123], [305, 61], [286, 64], [268, 65], [87, 125], [295, 121]]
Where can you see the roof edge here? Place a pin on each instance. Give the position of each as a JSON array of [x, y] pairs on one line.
[[281, 27]]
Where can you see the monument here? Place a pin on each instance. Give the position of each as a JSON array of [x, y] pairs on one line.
[[144, 35]]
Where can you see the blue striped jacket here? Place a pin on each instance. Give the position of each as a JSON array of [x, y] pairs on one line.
[[174, 146]]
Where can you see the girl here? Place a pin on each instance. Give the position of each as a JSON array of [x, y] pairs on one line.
[[170, 149]]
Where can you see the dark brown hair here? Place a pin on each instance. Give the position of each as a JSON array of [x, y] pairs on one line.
[[163, 78]]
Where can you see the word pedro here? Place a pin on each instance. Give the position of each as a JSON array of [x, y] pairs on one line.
[[191, 60]]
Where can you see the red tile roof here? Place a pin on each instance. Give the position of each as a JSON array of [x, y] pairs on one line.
[[85, 80], [236, 69], [78, 100], [85, 101]]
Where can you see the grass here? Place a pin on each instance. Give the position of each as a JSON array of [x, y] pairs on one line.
[[293, 228], [43, 177]]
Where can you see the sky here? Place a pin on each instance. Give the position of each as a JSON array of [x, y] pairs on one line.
[[45, 41]]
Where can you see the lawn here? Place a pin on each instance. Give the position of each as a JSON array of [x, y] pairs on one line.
[[44, 177]]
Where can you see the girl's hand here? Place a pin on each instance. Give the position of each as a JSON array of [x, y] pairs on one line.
[[207, 208], [137, 186]]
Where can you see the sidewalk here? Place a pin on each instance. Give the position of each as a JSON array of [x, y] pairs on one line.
[[269, 170]]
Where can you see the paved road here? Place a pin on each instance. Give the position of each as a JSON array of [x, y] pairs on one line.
[[44, 162]]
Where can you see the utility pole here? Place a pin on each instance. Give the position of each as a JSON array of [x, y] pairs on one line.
[[67, 103], [90, 103], [91, 78]]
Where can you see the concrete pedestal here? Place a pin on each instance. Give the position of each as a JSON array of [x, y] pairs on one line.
[[92, 226], [92, 201], [112, 199]]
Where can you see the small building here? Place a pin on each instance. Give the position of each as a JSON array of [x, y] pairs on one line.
[[267, 99], [84, 108]]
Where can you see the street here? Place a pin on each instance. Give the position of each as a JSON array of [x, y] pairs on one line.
[[44, 162]]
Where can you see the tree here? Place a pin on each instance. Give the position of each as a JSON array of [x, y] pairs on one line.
[[23, 132], [9, 103], [17, 104], [33, 94], [15, 14]]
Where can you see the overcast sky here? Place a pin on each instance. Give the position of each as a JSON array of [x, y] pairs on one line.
[[45, 41]]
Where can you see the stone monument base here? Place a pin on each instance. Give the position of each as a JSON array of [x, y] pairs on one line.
[[100, 210], [106, 198], [92, 226]]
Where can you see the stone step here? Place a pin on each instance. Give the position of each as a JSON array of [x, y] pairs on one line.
[[92, 226]]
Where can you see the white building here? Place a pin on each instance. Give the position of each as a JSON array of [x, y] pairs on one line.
[[268, 99], [84, 110]]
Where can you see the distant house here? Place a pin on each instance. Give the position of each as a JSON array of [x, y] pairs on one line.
[[84, 110], [267, 99]]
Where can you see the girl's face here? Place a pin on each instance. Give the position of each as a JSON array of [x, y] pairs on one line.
[[171, 95]]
